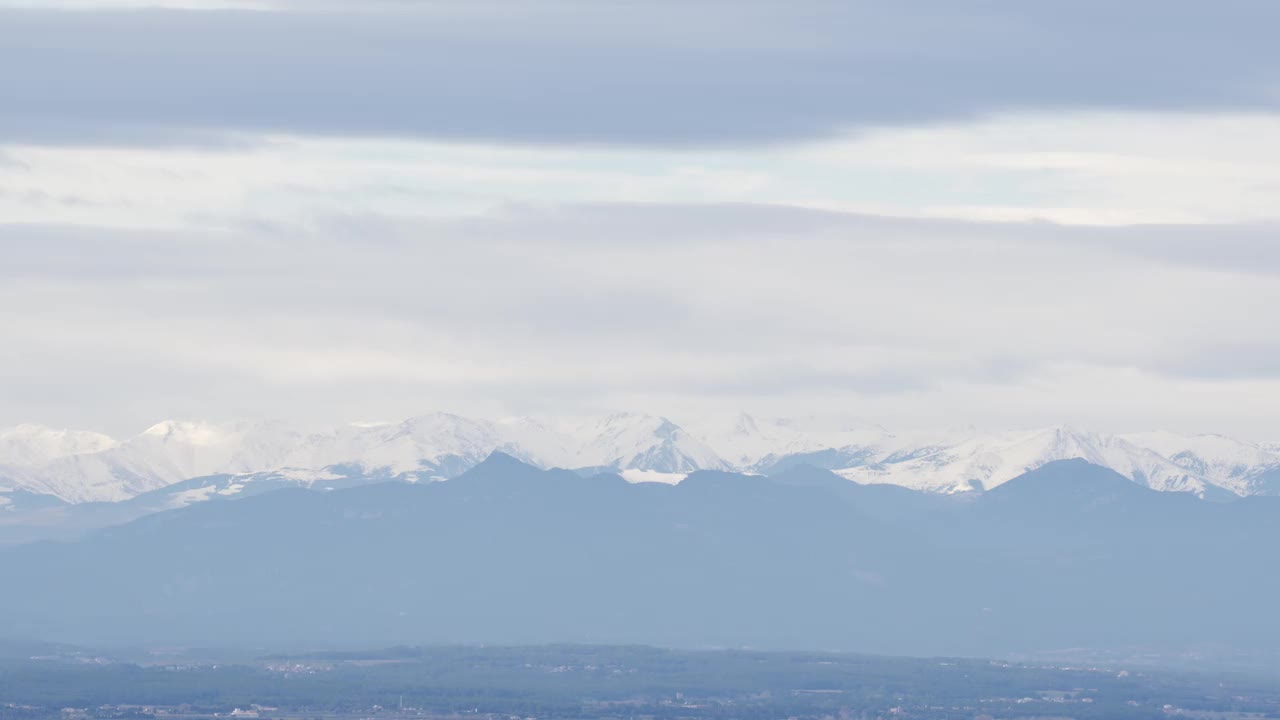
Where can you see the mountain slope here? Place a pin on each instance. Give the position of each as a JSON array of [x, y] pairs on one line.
[[627, 441], [31, 444], [1242, 467]]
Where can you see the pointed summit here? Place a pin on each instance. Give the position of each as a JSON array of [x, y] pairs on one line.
[[500, 465], [1072, 480], [499, 460], [745, 425], [644, 442]]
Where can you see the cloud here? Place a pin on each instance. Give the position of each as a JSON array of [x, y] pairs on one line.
[[1087, 168], [9, 162], [333, 211], [661, 308], [654, 74]]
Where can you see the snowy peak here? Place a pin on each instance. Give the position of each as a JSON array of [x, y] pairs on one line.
[[744, 440], [187, 433], [31, 444], [988, 461], [751, 443], [181, 449], [746, 425], [629, 441], [436, 443], [1242, 467], [163, 454]]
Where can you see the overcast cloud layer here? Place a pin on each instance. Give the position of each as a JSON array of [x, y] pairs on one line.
[[918, 213], [668, 309], [659, 74]]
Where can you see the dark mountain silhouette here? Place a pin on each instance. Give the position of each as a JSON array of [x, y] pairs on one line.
[[1065, 556]]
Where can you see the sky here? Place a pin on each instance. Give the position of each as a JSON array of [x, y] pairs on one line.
[[918, 214]]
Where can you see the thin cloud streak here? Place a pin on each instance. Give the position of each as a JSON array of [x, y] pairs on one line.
[[1079, 169]]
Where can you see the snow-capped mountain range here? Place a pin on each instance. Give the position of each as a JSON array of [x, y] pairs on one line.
[[986, 461], [79, 466]]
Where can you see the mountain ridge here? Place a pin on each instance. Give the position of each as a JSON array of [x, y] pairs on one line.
[[640, 447]]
